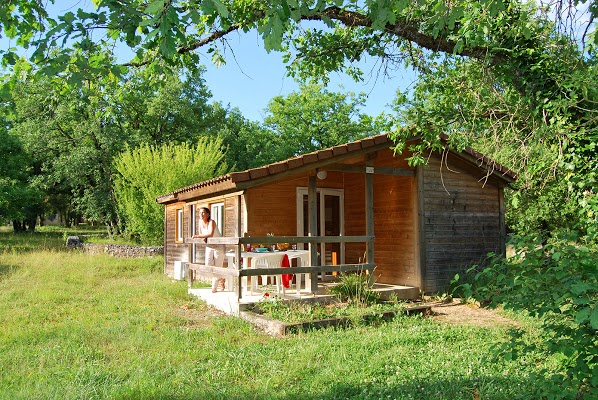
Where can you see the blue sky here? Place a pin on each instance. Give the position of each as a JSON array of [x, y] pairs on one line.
[[251, 78]]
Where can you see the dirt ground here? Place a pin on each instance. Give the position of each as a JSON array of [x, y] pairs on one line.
[[459, 313]]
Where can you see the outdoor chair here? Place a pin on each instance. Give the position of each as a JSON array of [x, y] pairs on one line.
[[302, 261], [273, 261]]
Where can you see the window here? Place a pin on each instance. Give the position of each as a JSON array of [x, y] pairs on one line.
[[179, 226], [192, 221], [217, 214]]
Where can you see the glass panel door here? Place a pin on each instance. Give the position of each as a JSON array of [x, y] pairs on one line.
[[332, 227], [330, 221]]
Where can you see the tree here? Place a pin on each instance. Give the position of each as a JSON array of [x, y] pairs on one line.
[[247, 144], [71, 145], [147, 172], [315, 118], [72, 134], [512, 43], [479, 108], [171, 108], [20, 202]]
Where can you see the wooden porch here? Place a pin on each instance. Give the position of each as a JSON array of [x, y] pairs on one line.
[[192, 270], [235, 298]]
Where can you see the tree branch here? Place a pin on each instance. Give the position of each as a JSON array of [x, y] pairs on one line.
[[351, 19], [405, 30]]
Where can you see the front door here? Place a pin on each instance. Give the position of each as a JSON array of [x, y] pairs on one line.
[[330, 207]]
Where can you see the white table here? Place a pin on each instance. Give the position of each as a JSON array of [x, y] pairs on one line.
[[302, 257]]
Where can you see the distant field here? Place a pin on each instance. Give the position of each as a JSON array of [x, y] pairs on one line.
[[75, 326]]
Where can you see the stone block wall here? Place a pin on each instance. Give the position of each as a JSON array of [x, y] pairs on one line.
[[115, 250], [121, 250]]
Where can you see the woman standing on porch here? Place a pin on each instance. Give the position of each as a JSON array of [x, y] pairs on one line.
[[214, 255]]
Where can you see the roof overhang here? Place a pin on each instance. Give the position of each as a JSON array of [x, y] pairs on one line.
[[239, 181]]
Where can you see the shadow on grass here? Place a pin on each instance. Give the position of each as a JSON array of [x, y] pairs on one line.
[[6, 271], [429, 388], [27, 241]]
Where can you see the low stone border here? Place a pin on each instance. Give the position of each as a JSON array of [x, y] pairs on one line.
[[278, 328], [124, 251], [115, 250]]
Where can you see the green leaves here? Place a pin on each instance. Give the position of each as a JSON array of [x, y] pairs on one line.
[[382, 13], [155, 7], [580, 288], [215, 7], [220, 8], [558, 283], [20, 200], [151, 171], [594, 317], [315, 118]]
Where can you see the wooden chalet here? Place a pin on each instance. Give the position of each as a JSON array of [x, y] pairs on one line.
[[359, 205]]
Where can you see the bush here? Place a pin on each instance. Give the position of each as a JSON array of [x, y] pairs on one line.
[[148, 172], [557, 282], [355, 288]]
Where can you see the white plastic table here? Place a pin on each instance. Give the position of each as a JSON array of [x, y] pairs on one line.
[[302, 257]]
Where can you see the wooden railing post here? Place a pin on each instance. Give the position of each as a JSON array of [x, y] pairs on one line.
[[312, 202], [238, 247], [369, 214]]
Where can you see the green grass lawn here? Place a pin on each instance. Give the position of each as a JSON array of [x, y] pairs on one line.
[[74, 326]]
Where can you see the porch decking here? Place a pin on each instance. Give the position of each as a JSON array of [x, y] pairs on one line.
[[228, 302]]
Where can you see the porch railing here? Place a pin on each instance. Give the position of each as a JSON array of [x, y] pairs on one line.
[[241, 242]]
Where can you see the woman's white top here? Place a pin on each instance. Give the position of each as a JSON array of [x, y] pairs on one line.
[[204, 230]]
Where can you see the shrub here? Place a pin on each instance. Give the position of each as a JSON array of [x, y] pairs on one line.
[[556, 282], [148, 172], [355, 288]]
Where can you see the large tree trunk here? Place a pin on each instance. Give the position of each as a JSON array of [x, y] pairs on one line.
[[18, 226], [31, 224]]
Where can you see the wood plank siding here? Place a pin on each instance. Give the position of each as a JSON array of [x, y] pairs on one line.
[[273, 207], [174, 251], [355, 216], [461, 219], [394, 217], [395, 200]]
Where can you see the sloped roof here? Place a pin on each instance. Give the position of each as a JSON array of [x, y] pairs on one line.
[[239, 180]]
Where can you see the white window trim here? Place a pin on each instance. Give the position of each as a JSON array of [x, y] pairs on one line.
[[179, 225], [217, 214]]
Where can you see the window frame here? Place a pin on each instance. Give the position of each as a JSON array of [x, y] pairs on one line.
[[178, 225], [217, 214]]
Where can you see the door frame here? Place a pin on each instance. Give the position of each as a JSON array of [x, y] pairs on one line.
[[322, 192]]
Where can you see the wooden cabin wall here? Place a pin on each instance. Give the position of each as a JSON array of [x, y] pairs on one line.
[[395, 218], [272, 208], [230, 217], [395, 224], [174, 251], [354, 216], [461, 219]]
